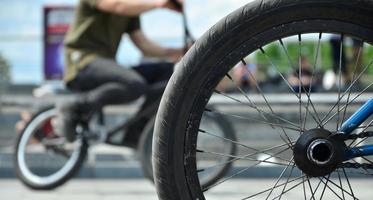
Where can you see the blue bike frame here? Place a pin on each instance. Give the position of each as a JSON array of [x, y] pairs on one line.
[[353, 123]]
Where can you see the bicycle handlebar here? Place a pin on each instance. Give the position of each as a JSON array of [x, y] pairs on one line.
[[177, 4], [187, 35]]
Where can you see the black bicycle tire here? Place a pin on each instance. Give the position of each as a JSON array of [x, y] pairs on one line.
[[54, 185], [248, 21], [145, 149]]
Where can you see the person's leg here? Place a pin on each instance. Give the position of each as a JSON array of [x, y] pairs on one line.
[[155, 72], [103, 82], [338, 57], [157, 76], [357, 59]]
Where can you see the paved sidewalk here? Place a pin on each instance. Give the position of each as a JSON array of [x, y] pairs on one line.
[[82, 190], [141, 189]]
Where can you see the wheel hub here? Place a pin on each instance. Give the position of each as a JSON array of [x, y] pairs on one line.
[[318, 154]]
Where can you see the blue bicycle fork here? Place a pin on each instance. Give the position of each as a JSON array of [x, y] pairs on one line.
[[353, 123]]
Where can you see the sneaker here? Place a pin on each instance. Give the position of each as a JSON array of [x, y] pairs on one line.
[[66, 120]]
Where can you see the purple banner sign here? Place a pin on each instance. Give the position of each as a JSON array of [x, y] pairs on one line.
[[56, 23]]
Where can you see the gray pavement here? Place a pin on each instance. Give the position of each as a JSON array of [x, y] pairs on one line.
[[82, 190], [141, 189]]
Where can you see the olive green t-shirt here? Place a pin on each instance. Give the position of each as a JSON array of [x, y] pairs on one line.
[[93, 34]]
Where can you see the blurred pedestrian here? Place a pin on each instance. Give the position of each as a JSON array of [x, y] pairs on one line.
[[25, 117], [338, 56], [356, 61], [302, 78], [244, 74]]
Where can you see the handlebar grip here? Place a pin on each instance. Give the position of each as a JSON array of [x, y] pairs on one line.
[[177, 4]]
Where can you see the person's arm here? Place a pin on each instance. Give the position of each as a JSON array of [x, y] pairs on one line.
[[132, 7], [152, 49]]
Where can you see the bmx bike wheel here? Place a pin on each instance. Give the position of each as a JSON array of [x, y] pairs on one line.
[[279, 33]]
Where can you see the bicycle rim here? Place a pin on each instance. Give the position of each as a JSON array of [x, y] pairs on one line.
[[42, 164]]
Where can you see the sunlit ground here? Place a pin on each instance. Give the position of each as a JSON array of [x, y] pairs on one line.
[[141, 189]]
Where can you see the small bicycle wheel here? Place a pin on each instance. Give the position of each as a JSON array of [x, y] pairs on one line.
[[285, 117], [43, 159], [211, 123]]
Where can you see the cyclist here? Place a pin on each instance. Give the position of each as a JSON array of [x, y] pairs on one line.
[[91, 46]]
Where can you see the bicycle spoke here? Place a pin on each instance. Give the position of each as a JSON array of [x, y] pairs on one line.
[[241, 171], [365, 170], [353, 77], [217, 165], [309, 102], [237, 143], [348, 181], [304, 188], [292, 66], [340, 76], [347, 90], [252, 105], [261, 112], [296, 185], [281, 175], [300, 85], [265, 99], [267, 190], [248, 155], [241, 157], [287, 181], [361, 141], [255, 120], [366, 88], [312, 191], [357, 96], [283, 78], [366, 159], [326, 184], [364, 126], [336, 185], [323, 190], [340, 183]]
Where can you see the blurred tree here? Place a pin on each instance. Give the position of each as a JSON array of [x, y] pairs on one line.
[[4, 74]]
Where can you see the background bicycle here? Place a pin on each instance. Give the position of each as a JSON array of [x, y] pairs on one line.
[[61, 159], [40, 134]]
